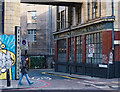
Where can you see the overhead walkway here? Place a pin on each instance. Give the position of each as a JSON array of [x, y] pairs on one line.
[[54, 2]]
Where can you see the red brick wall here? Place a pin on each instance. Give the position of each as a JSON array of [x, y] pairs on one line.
[[117, 47], [117, 35], [106, 45], [83, 48]]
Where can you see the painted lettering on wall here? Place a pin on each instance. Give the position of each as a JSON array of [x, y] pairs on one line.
[[82, 30]]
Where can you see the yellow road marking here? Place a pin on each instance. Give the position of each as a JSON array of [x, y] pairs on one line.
[[60, 75], [43, 72]]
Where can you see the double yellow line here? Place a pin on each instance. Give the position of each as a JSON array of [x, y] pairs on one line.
[[68, 77]]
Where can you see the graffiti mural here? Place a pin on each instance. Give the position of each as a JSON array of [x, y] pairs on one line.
[[7, 56]]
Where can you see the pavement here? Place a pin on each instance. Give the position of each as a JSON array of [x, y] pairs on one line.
[[41, 83]]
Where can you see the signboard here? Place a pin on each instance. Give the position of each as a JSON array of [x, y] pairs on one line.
[[117, 42], [24, 43], [81, 30], [103, 66], [111, 58], [90, 55], [91, 48]]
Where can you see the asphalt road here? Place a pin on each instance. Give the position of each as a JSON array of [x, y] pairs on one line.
[[58, 83], [67, 82]]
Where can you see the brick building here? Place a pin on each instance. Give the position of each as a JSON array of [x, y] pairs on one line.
[[85, 37]]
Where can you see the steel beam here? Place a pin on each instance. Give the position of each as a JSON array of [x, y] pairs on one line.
[[54, 2]]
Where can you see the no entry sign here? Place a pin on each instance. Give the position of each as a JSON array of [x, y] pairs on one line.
[[91, 48]]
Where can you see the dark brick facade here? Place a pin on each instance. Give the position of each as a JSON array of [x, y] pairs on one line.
[[106, 44], [117, 46], [83, 48]]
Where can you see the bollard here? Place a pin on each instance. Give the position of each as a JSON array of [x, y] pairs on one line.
[[8, 78]]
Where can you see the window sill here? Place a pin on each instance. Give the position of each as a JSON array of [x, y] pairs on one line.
[[32, 23]]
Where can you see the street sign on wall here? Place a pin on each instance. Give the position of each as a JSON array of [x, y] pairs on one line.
[[90, 55], [117, 42], [24, 43], [91, 50]]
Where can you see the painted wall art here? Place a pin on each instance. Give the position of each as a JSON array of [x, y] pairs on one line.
[[7, 56]]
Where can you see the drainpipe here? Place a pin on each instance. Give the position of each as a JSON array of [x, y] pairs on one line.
[[113, 48], [3, 13], [108, 72], [49, 30], [112, 26]]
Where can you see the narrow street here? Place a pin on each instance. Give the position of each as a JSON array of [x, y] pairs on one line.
[[66, 81], [49, 80]]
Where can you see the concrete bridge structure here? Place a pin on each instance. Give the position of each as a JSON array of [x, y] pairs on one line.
[[54, 2]]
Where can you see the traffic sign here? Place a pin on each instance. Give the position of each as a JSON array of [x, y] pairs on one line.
[[24, 42], [90, 55], [91, 48]]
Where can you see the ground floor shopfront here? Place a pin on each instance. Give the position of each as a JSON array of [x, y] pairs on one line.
[[73, 50]]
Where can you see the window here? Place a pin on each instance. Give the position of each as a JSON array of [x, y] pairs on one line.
[[32, 35], [58, 21], [31, 17], [71, 49], [94, 8], [95, 39], [79, 14], [73, 16], [62, 19], [88, 10], [62, 50], [79, 49], [100, 8]]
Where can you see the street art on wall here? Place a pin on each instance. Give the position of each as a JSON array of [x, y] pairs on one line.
[[7, 56]]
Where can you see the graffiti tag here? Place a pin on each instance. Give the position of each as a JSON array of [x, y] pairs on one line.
[[5, 61], [105, 58]]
